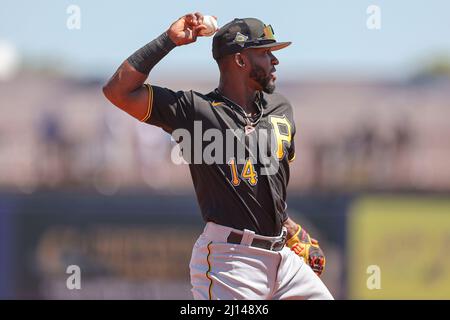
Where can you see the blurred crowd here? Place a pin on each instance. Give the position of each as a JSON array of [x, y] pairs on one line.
[[57, 132]]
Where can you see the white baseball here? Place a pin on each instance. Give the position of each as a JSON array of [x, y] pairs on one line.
[[211, 23]]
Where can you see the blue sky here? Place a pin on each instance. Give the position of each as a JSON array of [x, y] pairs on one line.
[[329, 36]]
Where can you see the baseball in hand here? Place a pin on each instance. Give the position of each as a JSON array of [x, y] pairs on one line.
[[211, 23]]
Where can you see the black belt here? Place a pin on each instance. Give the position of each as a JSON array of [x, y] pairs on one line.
[[273, 245]]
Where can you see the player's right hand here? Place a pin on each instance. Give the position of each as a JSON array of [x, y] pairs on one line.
[[308, 248], [186, 29]]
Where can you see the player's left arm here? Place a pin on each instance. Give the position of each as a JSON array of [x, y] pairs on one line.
[[298, 239], [303, 245]]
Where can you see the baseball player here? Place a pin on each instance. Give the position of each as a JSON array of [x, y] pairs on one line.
[[250, 248]]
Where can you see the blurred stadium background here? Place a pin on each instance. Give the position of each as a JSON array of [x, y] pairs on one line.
[[81, 183]]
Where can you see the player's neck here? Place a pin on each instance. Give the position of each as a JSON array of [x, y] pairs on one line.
[[240, 94]]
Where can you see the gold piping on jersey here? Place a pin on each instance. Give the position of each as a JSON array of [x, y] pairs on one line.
[[150, 102], [216, 104], [208, 272], [293, 158]]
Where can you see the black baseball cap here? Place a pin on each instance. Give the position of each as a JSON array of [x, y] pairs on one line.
[[245, 33]]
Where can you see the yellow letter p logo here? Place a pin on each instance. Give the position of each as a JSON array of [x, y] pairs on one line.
[[282, 129]]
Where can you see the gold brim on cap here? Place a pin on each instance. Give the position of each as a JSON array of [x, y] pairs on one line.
[[274, 46]]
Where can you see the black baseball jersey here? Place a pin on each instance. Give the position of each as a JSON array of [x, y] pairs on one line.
[[233, 191]]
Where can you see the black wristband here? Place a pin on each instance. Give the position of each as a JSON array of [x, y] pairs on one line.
[[144, 59]]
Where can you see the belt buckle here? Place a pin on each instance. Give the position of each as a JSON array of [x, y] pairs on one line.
[[278, 245]]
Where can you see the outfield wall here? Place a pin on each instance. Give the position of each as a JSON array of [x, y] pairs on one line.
[[138, 246]]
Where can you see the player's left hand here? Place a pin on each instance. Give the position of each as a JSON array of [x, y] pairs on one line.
[[308, 248]]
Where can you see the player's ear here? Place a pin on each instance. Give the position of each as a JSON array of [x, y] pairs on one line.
[[239, 60]]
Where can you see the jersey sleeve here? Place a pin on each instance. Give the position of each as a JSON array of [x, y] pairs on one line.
[[168, 109]]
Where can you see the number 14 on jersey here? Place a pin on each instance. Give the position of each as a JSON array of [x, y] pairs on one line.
[[248, 173]]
